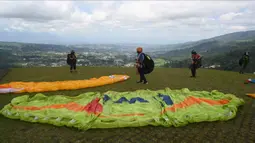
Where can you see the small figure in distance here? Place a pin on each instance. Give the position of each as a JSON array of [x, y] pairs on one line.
[[71, 60], [243, 62], [196, 62]]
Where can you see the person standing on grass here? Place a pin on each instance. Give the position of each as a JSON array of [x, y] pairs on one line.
[[71, 60], [140, 65], [195, 63], [243, 62]]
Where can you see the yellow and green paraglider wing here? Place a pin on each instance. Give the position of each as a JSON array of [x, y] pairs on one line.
[[125, 109]]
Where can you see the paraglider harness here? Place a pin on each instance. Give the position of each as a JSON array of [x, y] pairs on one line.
[[148, 64], [198, 63], [68, 60], [244, 60]]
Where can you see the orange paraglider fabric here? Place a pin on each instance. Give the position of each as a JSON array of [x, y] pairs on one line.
[[20, 87], [251, 95]]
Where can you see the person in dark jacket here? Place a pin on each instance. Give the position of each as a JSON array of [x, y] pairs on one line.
[[243, 62], [72, 61], [195, 63], [140, 65]]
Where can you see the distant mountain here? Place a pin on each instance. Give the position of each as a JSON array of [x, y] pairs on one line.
[[211, 46], [32, 37], [237, 36], [27, 47], [207, 47]]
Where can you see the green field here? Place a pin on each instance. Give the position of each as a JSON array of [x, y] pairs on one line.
[[240, 129], [160, 62]]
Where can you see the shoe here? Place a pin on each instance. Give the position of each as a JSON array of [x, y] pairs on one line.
[[139, 81], [145, 82]]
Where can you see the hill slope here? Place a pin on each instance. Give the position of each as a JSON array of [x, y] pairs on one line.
[[237, 130], [227, 56], [237, 36], [211, 46]]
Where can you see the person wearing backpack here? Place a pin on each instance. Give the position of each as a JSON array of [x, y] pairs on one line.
[[196, 63], [243, 62], [144, 65], [71, 60]]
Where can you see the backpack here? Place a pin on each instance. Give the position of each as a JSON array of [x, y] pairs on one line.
[[68, 60], [241, 62], [148, 64]]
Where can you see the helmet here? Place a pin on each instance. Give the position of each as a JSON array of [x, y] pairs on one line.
[[193, 52], [139, 49], [246, 53], [72, 52]]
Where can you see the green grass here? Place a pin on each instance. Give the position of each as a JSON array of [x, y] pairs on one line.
[[239, 129], [159, 62]]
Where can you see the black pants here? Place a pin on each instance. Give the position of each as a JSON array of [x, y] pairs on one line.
[[193, 69], [72, 66], [243, 68], [142, 76]]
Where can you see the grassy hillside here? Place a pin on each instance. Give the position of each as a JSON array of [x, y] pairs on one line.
[[240, 129], [244, 35]]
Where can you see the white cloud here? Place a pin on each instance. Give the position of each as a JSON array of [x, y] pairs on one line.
[[238, 28], [229, 16], [47, 10], [164, 19]]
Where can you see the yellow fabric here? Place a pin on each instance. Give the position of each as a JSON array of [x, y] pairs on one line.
[[251, 95], [65, 85]]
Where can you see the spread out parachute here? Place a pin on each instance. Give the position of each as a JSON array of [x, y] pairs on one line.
[[125, 109], [20, 87], [251, 94], [251, 80]]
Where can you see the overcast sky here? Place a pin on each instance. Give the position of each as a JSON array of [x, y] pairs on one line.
[[152, 22]]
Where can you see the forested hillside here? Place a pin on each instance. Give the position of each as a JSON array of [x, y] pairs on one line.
[[213, 46], [227, 56]]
